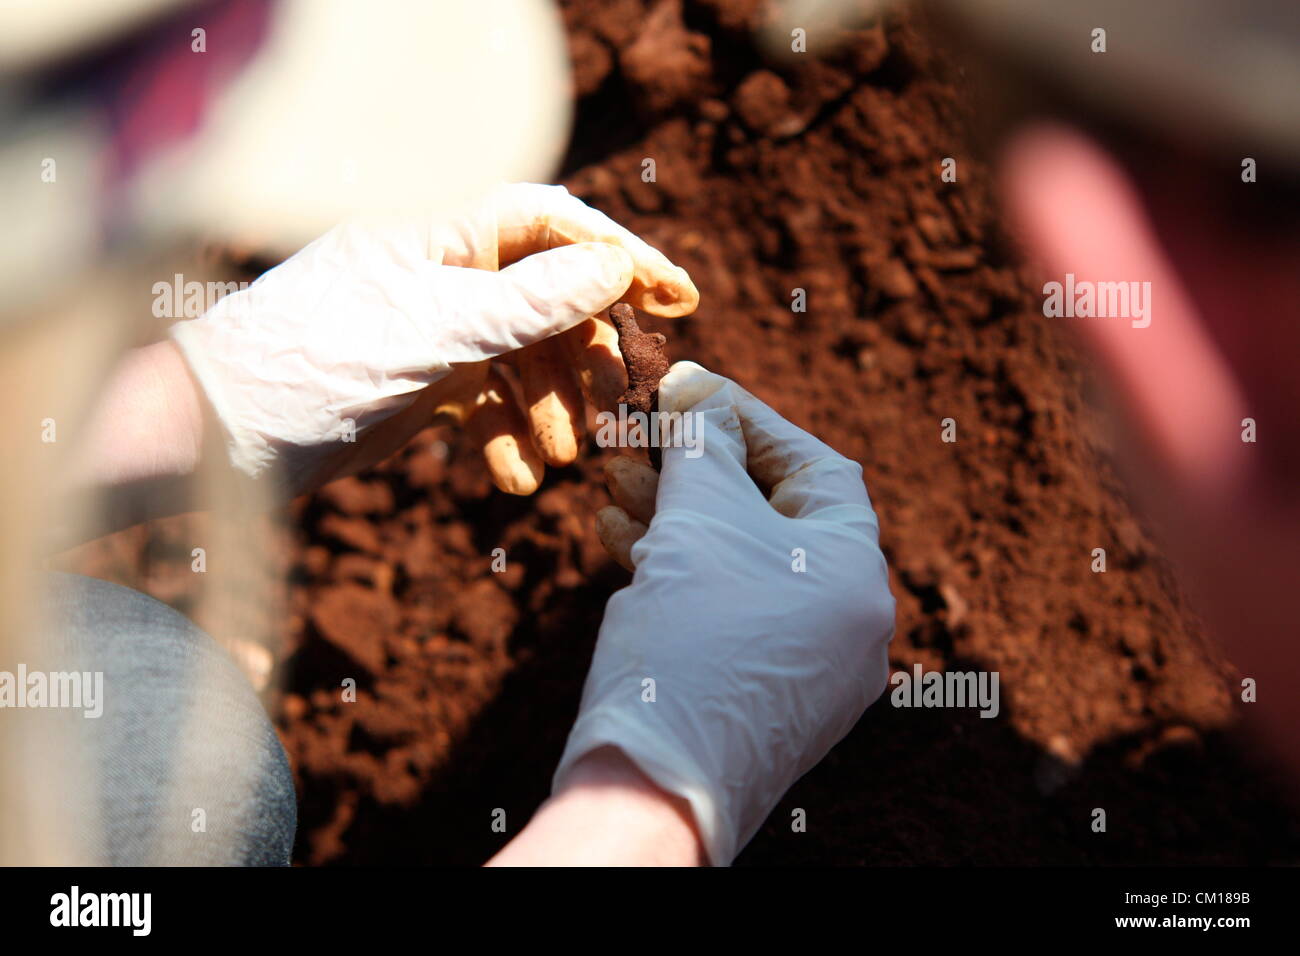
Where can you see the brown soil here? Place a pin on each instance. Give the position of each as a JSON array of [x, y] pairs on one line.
[[821, 176]]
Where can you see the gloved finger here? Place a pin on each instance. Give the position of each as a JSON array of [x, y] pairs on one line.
[[552, 400], [452, 400], [689, 386], [633, 486], [499, 426], [704, 472], [593, 347], [532, 218], [478, 314], [806, 478], [618, 531]]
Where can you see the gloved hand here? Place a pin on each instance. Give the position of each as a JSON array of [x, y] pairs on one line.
[[324, 365], [763, 617]]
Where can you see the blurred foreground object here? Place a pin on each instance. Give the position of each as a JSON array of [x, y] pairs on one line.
[[264, 123], [132, 131], [1227, 73]]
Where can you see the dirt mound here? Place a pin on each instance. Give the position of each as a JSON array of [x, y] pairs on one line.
[[815, 181]]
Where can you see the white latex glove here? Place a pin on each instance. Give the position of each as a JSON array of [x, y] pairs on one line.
[[302, 365], [758, 669]]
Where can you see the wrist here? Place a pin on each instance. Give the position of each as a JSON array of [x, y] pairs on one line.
[[606, 812], [137, 449], [149, 423]]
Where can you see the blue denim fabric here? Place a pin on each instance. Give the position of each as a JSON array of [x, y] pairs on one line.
[[182, 731]]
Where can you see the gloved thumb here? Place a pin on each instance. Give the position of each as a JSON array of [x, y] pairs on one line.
[[537, 297], [747, 449], [804, 477], [707, 474]]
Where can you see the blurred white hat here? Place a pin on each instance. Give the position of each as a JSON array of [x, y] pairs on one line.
[[264, 121]]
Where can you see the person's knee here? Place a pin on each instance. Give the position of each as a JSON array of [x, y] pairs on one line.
[[187, 767]]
